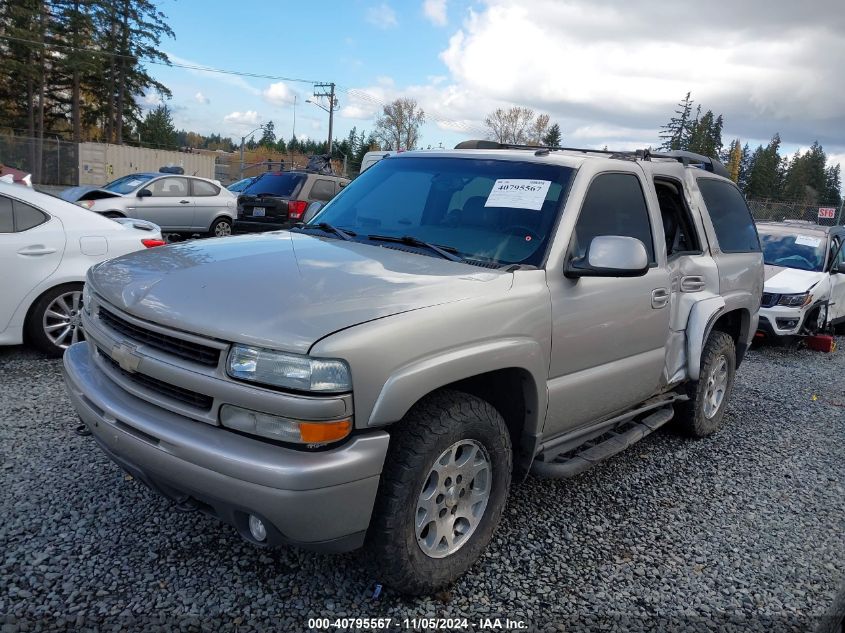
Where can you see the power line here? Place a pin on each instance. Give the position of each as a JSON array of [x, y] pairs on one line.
[[207, 69]]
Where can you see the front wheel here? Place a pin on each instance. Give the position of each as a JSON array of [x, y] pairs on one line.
[[221, 227], [442, 493], [702, 414], [55, 321]]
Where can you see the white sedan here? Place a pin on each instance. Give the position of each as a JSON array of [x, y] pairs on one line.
[[46, 247]]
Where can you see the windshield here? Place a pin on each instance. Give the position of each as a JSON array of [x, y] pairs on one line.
[[127, 183], [801, 251], [491, 211], [281, 184]]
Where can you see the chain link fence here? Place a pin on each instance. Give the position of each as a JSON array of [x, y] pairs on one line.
[[777, 211], [51, 160]]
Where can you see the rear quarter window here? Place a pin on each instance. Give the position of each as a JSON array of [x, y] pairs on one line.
[[730, 215]]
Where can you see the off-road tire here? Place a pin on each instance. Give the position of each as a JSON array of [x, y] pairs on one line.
[[690, 415], [432, 426]]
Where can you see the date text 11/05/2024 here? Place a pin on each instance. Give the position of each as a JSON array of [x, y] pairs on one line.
[[416, 624]]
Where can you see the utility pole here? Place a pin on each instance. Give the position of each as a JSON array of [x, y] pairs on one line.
[[842, 204], [320, 90], [293, 133]]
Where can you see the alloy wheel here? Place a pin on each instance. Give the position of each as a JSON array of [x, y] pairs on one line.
[[453, 498], [62, 320], [717, 385]]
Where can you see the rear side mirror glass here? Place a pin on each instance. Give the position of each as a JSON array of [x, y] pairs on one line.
[[610, 256], [145, 193]]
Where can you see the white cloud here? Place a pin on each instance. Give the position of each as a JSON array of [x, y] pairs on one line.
[[278, 93], [201, 98], [622, 66], [151, 100], [250, 117], [435, 11], [382, 16]]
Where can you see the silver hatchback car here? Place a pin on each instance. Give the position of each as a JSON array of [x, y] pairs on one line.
[[178, 204]]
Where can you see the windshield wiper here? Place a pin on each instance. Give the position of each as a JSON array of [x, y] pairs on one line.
[[446, 252], [328, 228]]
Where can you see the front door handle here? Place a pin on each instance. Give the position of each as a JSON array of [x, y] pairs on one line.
[[36, 250], [184, 202], [659, 298]]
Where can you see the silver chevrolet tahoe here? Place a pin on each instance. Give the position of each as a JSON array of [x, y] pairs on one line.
[[448, 323]]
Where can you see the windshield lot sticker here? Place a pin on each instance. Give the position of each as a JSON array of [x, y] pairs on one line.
[[518, 193], [806, 240]]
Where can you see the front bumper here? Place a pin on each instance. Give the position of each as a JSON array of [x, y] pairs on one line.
[[781, 321], [321, 500]]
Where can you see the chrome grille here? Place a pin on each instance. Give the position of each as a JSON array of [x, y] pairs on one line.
[[186, 396], [188, 350]]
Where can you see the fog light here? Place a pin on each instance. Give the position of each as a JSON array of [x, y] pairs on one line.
[[256, 528], [787, 324]]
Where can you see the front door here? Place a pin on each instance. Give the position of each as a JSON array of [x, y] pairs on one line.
[[836, 310], [170, 205], [609, 334]]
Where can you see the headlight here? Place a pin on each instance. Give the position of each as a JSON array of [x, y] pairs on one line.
[[86, 203], [291, 371], [87, 298], [283, 429], [796, 300]]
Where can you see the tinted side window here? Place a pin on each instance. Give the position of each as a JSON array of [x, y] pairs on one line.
[[322, 190], [27, 217], [169, 187], [203, 188], [730, 215], [7, 224], [614, 205]]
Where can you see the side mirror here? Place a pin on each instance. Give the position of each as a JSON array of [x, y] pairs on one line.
[[145, 193], [342, 184], [610, 256], [311, 211]]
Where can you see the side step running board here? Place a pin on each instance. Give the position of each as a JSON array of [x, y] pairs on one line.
[[604, 446]]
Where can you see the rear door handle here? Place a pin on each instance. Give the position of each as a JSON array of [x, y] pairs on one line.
[[659, 298], [184, 202], [36, 250], [692, 283]]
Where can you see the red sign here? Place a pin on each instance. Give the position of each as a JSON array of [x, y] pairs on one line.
[[827, 213]]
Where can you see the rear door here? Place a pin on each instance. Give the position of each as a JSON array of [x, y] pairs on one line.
[[170, 205], [31, 247], [208, 203]]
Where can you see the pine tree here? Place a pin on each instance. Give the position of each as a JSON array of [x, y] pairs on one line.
[[735, 160], [553, 137], [675, 133], [268, 138], [157, 128], [765, 172]]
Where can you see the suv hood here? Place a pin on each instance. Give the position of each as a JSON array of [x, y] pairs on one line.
[[781, 280], [282, 290]]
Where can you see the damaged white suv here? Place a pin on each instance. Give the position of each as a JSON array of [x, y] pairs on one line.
[[804, 292]]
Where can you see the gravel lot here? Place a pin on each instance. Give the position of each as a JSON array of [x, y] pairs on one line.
[[744, 530]]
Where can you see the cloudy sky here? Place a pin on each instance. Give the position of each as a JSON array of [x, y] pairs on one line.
[[609, 72]]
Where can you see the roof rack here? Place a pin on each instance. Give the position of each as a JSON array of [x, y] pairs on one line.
[[686, 158]]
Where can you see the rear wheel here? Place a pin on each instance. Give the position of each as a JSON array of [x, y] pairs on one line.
[[442, 493], [702, 414], [221, 227], [54, 322]]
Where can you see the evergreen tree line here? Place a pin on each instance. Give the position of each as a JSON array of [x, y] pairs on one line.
[[75, 68], [761, 173]]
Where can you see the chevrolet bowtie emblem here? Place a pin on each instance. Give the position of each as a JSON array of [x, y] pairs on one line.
[[125, 356]]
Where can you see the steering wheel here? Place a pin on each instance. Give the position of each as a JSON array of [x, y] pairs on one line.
[[522, 231]]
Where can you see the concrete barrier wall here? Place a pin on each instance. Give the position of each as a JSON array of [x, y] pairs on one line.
[[101, 162]]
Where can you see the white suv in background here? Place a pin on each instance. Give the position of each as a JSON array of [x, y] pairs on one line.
[[804, 291]]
